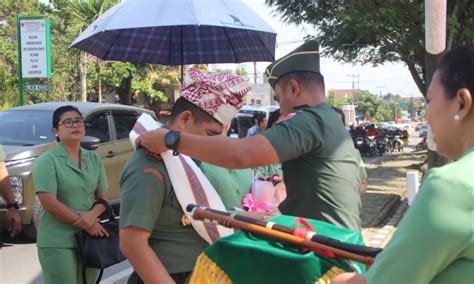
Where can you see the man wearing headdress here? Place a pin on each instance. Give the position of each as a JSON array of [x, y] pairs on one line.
[[155, 235], [320, 166]]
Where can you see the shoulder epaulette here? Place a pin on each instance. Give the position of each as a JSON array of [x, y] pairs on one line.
[[153, 155]]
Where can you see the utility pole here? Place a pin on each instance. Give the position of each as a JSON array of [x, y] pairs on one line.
[[255, 72], [435, 44], [353, 76], [380, 90]]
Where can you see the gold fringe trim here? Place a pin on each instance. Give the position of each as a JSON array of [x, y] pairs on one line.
[[207, 272], [326, 278]]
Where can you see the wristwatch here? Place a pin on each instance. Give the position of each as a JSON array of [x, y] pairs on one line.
[[172, 140], [13, 205]]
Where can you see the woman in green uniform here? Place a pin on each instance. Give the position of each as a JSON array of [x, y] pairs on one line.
[[68, 180], [434, 242]]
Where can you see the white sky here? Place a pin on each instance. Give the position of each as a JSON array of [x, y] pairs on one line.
[[389, 78]]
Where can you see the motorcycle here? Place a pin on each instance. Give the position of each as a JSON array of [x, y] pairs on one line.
[[360, 144], [371, 147], [397, 143], [381, 143], [422, 145]]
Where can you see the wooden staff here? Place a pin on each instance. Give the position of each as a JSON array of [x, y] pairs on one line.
[[229, 221], [357, 249]]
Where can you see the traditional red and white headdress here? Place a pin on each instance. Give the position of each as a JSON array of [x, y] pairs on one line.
[[218, 94]]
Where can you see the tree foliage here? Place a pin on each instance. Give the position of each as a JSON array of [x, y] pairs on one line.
[[370, 106], [377, 31], [68, 18]]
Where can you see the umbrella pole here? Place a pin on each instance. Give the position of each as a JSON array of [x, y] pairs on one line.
[[182, 55]]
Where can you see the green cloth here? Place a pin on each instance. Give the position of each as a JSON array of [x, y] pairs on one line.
[[320, 167], [2, 154], [434, 243], [148, 201], [249, 258], [55, 172], [63, 265], [303, 58], [231, 185]]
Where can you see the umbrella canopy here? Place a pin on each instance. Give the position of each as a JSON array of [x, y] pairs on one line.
[[177, 32]]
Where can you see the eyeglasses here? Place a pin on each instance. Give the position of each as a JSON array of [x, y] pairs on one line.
[[68, 123]]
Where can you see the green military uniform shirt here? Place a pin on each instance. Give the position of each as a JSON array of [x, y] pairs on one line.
[[148, 201], [434, 243], [320, 167], [231, 185], [55, 172], [2, 154]]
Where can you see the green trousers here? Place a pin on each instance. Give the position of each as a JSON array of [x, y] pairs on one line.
[[63, 265]]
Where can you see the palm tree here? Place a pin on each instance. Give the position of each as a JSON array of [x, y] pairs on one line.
[[83, 13]]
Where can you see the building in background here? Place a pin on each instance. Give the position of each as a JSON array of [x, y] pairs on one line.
[[260, 94]]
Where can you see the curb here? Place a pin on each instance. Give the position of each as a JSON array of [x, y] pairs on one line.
[[388, 207], [383, 235]]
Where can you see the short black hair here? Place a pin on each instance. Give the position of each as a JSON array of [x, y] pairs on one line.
[[58, 113], [259, 118], [457, 70], [182, 105], [274, 116], [341, 113], [303, 77]]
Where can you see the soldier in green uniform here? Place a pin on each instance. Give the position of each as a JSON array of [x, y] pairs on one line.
[[320, 168], [155, 235]]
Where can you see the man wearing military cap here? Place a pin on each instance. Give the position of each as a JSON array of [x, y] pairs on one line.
[[319, 160]]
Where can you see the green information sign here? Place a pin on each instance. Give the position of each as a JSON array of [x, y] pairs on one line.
[[34, 54]]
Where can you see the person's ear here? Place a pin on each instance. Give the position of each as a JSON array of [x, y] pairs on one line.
[[184, 118], [464, 103], [294, 87], [54, 131]]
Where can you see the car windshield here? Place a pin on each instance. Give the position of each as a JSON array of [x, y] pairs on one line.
[[26, 128]]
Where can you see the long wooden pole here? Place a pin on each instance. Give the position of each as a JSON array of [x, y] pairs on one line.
[[228, 221]]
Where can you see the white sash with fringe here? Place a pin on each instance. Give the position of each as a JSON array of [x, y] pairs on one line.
[[189, 183]]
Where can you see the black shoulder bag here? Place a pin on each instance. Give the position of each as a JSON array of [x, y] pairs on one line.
[[100, 252]]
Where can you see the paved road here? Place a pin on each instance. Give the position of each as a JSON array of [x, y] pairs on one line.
[[19, 265]]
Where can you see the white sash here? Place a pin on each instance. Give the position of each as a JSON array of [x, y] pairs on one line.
[[189, 183]]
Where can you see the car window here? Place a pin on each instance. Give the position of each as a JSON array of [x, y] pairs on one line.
[[124, 122], [26, 127], [98, 126]]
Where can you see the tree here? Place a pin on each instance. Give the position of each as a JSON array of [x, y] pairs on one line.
[[332, 98], [392, 31], [83, 13], [242, 72]]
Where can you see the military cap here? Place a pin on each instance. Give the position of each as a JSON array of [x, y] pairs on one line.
[[304, 58]]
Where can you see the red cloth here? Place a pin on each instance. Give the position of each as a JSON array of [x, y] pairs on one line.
[[218, 94]]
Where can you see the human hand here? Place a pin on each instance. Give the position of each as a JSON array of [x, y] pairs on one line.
[[85, 220], [13, 217], [255, 215], [153, 140], [97, 230]]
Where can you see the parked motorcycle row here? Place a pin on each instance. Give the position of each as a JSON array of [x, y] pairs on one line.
[[372, 141]]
